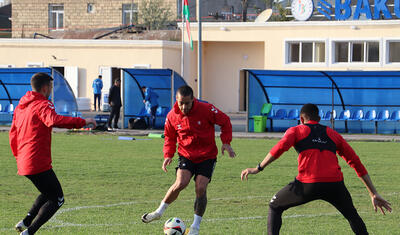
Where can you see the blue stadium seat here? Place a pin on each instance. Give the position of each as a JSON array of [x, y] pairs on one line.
[[368, 122], [354, 124], [293, 114], [370, 115], [344, 115], [395, 116], [10, 108], [321, 114], [280, 114], [383, 115], [357, 115], [4, 110], [328, 115]]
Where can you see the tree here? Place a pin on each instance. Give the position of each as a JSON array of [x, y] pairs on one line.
[[282, 13], [268, 4], [154, 14]]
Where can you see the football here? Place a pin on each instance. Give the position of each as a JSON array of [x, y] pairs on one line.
[[174, 226]]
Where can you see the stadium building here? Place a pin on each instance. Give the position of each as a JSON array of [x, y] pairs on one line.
[[360, 38]]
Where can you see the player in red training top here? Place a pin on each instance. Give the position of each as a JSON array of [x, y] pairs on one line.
[[319, 175], [30, 141], [191, 124]]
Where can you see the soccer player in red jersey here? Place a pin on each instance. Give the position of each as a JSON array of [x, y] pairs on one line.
[[30, 141], [191, 124], [319, 174]]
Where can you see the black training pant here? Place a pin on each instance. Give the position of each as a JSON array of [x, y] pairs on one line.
[[47, 203], [297, 193], [114, 114], [152, 122], [97, 98]]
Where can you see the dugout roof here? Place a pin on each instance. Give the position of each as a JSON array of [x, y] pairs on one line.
[[160, 80], [15, 82], [338, 90]]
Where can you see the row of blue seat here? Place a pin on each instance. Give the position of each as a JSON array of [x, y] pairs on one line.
[[370, 115], [282, 114], [344, 116]]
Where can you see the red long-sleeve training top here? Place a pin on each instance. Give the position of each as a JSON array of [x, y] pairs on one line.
[[315, 165], [195, 132], [30, 133]]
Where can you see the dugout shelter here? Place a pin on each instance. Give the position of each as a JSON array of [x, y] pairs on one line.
[[15, 82], [349, 101], [164, 82]]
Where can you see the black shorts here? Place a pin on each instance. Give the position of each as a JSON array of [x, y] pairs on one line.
[[204, 168]]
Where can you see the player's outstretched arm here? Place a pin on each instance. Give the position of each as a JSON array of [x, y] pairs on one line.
[[267, 160], [376, 199], [228, 148]]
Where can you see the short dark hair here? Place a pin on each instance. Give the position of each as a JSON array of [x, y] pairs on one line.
[[311, 111], [100, 76], [39, 80], [185, 91]]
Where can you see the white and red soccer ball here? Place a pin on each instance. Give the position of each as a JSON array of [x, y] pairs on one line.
[[174, 226]]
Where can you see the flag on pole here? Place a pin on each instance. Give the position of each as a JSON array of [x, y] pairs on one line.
[[186, 14]]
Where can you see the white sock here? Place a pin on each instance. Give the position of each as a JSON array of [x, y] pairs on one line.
[[196, 221], [162, 207]]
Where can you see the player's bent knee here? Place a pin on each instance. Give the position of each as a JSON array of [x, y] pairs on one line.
[[275, 208], [59, 200]]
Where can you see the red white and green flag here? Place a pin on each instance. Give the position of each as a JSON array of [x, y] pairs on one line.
[[186, 14]]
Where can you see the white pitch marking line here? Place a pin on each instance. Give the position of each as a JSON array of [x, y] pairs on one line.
[[66, 224], [62, 224]]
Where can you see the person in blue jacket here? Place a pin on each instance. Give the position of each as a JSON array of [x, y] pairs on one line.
[[97, 86], [151, 97]]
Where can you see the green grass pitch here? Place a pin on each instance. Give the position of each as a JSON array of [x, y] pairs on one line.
[[109, 183]]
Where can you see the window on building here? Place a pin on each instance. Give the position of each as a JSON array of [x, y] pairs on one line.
[[294, 52], [358, 52], [394, 52], [373, 51], [364, 52], [129, 14], [90, 8], [306, 52], [56, 16], [319, 52], [341, 52]]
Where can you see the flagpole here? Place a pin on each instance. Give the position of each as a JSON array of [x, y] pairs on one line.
[[199, 50], [183, 41]]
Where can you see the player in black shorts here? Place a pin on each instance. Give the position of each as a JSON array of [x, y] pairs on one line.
[[30, 141], [191, 124], [320, 176]]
